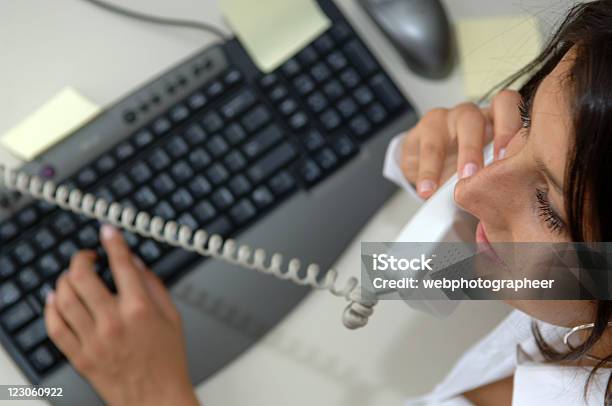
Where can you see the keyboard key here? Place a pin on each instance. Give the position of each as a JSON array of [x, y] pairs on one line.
[[298, 120], [199, 159], [360, 58], [215, 89], [350, 78], [9, 294], [234, 161], [239, 103], [195, 135], [49, 266], [17, 316], [327, 159], [232, 77], [164, 210], [121, 185], [262, 141], [386, 92], [330, 119], [88, 237], [272, 162], [278, 93], [376, 113], [344, 147], [104, 193], [145, 198], [310, 172], [149, 251], [360, 126], [324, 43], [204, 212], [313, 140], [42, 358], [143, 138], [24, 253], [222, 198], [317, 102], [282, 183], [340, 31], [140, 173], [320, 72], [176, 147], [106, 164], [86, 177], [288, 107], [188, 220], [308, 55], [291, 67], [217, 146], [182, 199], [256, 118], [179, 113], [181, 171], [239, 185], [200, 186], [27, 217], [363, 95], [217, 174], [262, 197], [212, 122], [242, 211], [161, 125], [28, 279], [163, 184], [64, 224], [197, 101], [333, 89], [44, 239], [45, 207], [124, 151], [66, 250], [337, 61], [347, 107], [32, 335], [8, 231], [304, 84], [235, 134], [269, 80], [132, 239]]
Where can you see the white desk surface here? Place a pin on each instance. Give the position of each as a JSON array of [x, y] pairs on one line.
[[309, 358]]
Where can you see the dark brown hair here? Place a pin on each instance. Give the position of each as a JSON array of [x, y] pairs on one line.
[[587, 30]]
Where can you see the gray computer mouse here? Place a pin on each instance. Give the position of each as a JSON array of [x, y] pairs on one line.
[[420, 31]]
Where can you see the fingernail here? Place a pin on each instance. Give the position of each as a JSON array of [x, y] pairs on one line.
[[469, 170], [50, 298], [502, 153], [107, 231], [426, 186]]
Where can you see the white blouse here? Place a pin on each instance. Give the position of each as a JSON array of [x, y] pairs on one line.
[[510, 349]]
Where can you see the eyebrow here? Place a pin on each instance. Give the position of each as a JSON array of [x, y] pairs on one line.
[[548, 174]]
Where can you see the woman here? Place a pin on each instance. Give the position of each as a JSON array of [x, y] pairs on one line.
[[552, 144]]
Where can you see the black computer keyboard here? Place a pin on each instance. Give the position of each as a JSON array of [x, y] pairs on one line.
[[218, 159]]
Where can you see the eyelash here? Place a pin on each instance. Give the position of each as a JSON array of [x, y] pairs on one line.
[[524, 108], [547, 213]]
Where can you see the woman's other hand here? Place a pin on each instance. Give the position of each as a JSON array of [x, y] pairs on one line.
[[129, 346], [449, 140]]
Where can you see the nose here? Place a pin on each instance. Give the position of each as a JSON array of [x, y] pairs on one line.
[[493, 195]]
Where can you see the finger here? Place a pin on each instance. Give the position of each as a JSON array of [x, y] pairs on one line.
[[87, 284], [127, 277], [72, 310], [506, 119], [433, 136], [160, 295], [59, 332], [471, 131], [409, 162]]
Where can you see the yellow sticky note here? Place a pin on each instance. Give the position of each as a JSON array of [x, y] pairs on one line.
[[273, 30], [492, 49], [52, 122]]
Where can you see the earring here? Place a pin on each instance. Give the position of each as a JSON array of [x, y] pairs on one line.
[[577, 329]]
